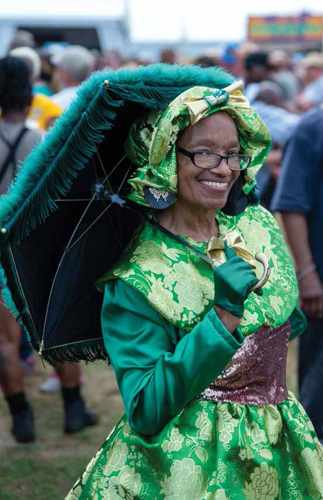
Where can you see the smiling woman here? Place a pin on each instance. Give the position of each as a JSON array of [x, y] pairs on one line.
[[200, 359], [202, 191]]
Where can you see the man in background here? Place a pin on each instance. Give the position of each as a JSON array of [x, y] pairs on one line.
[[280, 64], [299, 198], [74, 65], [256, 70], [312, 94], [43, 111], [270, 105], [16, 142]]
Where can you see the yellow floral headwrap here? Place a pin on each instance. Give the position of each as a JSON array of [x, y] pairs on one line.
[[151, 140]]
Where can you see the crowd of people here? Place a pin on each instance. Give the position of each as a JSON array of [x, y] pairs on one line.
[[286, 90], [280, 86]]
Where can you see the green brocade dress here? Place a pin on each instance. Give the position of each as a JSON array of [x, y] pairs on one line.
[[198, 425]]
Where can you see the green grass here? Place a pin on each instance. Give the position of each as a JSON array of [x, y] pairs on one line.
[[29, 476], [48, 468]]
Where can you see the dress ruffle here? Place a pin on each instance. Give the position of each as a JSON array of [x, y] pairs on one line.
[[211, 451]]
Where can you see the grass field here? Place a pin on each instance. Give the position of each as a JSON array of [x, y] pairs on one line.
[[47, 469]]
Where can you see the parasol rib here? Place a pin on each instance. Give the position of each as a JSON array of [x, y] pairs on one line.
[[69, 248]]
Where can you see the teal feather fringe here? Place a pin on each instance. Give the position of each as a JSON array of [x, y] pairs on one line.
[[49, 171], [14, 299], [6, 294], [89, 351]]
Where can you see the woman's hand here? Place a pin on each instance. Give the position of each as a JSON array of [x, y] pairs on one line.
[[232, 282], [230, 322]]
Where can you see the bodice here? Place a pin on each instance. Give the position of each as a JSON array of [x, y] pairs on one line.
[[256, 375]]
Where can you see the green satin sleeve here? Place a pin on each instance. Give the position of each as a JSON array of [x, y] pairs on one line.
[[159, 368], [298, 323]]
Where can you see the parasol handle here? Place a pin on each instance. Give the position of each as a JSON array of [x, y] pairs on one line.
[[260, 257]]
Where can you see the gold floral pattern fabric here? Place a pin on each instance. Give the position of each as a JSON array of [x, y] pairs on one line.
[[210, 450], [221, 451], [180, 285]]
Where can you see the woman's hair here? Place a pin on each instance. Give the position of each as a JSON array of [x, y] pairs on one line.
[[15, 85]]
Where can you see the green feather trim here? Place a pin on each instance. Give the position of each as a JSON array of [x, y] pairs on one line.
[[51, 168]]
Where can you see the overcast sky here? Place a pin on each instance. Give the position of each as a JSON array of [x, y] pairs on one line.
[[166, 19]]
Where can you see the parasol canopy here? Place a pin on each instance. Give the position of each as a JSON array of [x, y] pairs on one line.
[[64, 221]]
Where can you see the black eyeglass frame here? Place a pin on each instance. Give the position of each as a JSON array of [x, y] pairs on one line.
[[191, 156]]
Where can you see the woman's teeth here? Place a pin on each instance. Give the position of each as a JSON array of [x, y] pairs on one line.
[[214, 184]]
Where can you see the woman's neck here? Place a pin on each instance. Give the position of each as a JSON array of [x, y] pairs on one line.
[[197, 223]]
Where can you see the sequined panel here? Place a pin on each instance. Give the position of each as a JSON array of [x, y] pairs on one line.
[[256, 375]]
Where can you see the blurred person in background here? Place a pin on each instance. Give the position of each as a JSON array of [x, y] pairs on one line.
[[168, 56], [23, 38], [73, 65], [18, 148], [269, 104], [244, 49], [111, 60], [230, 59], [131, 63], [206, 61], [43, 111], [299, 198], [16, 139], [312, 69], [45, 83], [256, 70], [281, 71], [16, 142]]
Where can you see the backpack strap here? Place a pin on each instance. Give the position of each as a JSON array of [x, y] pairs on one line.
[[11, 157]]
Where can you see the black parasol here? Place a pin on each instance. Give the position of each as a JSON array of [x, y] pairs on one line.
[[65, 222]]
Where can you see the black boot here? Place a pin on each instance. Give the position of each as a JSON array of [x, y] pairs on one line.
[[23, 425], [77, 416]]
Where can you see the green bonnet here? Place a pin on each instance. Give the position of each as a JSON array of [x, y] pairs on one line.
[[150, 144]]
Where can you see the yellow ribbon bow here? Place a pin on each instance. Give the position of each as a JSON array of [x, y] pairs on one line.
[[198, 106], [215, 248]]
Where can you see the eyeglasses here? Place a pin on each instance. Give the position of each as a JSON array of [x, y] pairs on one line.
[[208, 160]]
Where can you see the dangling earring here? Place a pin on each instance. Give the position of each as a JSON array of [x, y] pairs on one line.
[[158, 199]]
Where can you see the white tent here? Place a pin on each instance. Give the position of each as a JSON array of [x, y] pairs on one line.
[[107, 17]]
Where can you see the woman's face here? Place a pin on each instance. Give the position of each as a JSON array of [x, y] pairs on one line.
[[208, 189]]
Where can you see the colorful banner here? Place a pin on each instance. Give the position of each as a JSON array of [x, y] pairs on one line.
[[285, 29]]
